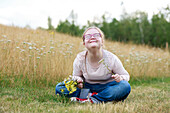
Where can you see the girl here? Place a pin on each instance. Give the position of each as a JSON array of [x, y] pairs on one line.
[[107, 80]]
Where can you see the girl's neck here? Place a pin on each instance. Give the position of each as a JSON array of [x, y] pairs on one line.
[[95, 56]]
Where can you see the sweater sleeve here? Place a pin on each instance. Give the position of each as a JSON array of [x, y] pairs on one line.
[[120, 70], [77, 73]]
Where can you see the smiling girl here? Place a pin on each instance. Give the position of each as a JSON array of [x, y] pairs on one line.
[[107, 81]]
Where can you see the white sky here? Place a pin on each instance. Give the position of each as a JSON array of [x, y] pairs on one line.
[[36, 12]]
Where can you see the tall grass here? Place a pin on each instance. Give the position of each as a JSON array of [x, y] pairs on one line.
[[37, 56]]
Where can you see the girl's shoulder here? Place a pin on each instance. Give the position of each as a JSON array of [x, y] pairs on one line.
[[81, 55], [109, 54]]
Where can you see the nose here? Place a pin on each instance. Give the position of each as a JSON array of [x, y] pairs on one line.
[[92, 36]]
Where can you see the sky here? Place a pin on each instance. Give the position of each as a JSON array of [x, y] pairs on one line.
[[36, 12]]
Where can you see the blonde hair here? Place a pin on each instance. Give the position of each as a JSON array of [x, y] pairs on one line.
[[94, 27]]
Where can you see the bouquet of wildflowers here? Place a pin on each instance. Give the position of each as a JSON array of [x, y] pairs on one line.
[[70, 84]]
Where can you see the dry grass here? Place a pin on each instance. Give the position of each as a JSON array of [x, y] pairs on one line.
[[46, 54]]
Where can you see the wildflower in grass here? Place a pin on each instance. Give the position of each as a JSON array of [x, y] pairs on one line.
[[102, 61], [4, 36], [8, 41], [30, 47], [52, 33], [29, 44], [22, 50], [62, 90], [70, 84], [38, 57], [34, 48], [51, 47]]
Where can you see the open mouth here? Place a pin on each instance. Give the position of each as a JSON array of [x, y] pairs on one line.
[[92, 41]]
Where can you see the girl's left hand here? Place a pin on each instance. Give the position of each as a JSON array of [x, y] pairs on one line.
[[116, 77], [80, 83]]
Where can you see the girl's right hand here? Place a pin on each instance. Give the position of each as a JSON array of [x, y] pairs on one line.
[[80, 83]]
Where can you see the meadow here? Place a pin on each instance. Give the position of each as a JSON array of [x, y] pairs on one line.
[[32, 62]]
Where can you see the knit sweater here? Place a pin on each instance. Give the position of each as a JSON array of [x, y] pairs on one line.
[[101, 74]]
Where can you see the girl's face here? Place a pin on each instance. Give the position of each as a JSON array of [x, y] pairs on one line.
[[93, 39]]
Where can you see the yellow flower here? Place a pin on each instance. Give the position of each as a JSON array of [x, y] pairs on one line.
[[70, 84], [62, 90]]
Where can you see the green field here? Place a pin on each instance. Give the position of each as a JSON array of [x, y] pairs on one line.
[[147, 95]]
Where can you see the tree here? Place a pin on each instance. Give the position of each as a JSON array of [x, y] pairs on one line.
[[50, 27]]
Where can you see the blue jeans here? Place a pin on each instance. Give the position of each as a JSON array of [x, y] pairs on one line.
[[112, 91]]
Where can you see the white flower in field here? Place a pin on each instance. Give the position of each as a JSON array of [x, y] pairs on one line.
[[22, 50], [30, 47], [44, 46], [121, 55], [159, 59], [34, 48], [127, 60], [29, 44], [132, 48], [40, 54], [42, 49], [30, 55], [51, 47], [67, 43], [4, 36], [17, 47], [38, 57], [146, 61], [8, 40]]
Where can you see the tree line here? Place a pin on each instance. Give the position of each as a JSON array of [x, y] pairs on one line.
[[134, 27]]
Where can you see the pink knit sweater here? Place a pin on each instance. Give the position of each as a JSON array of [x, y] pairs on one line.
[[100, 74]]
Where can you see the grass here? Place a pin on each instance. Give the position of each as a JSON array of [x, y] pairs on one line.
[[32, 62], [151, 95]]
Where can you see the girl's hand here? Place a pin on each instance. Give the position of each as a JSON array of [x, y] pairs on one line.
[[80, 83], [117, 77]]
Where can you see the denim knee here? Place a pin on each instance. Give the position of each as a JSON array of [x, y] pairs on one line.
[[57, 89], [61, 86], [125, 85]]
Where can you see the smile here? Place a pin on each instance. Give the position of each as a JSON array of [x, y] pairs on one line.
[[93, 41]]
